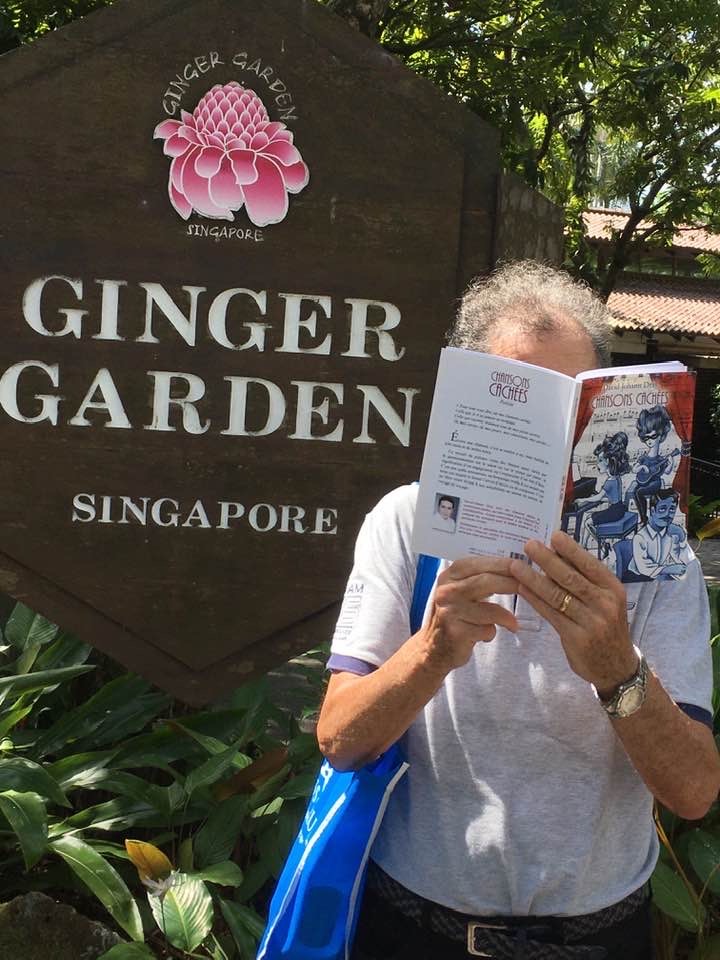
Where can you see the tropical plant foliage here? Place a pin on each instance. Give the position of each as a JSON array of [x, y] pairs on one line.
[[175, 825], [602, 100], [686, 882]]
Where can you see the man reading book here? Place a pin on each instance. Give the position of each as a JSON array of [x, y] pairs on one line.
[[541, 708]]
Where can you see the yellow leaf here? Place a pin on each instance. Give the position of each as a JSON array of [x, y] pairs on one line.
[[151, 863], [710, 529]]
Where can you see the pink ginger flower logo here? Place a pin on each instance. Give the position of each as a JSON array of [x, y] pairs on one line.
[[228, 153]]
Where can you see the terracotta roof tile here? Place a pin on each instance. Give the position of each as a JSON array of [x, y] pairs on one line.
[[667, 304], [601, 223]]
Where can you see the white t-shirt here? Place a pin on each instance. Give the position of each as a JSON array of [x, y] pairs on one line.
[[520, 798]]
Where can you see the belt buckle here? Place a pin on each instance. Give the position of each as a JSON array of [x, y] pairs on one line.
[[471, 928]]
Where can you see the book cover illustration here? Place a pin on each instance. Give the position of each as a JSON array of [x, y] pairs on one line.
[[626, 497]]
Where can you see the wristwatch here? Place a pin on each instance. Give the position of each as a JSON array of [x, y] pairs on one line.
[[630, 695]]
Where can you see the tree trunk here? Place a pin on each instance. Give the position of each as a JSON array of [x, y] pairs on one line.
[[363, 15]]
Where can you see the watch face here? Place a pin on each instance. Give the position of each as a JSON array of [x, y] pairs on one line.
[[630, 701]]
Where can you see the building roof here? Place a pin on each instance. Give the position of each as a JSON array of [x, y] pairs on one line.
[[680, 305], [601, 223]]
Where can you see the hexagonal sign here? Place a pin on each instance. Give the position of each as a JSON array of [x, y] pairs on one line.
[[232, 236]]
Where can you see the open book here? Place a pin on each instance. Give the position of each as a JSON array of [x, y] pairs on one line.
[[515, 451]]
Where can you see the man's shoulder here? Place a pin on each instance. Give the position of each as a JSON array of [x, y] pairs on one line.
[[398, 503]]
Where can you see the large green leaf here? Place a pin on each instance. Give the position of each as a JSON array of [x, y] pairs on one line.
[[164, 746], [25, 628], [65, 651], [216, 839], [25, 812], [704, 854], [26, 776], [116, 814], [128, 785], [226, 874], [8, 718], [121, 707], [129, 951], [104, 881], [211, 771], [245, 926], [211, 744], [299, 786], [41, 678], [184, 913], [80, 769], [672, 897]]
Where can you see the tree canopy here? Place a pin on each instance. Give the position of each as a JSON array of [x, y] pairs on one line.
[[609, 101], [612, 101]]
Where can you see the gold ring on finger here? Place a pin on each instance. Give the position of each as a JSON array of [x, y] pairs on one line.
[[565, 602]]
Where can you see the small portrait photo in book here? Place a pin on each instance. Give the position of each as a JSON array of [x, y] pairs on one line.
[[446, 512]]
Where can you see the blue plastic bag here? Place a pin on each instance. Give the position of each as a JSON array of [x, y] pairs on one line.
[[314, 910], [315, 907]]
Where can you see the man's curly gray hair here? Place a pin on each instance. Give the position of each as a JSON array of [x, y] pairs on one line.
[[535, 298]]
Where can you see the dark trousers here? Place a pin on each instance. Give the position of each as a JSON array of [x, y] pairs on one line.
[[384, 933]]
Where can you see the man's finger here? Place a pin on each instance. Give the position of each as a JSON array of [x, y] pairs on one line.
[[551, 592], [559, 621], [486, 584], [565, 578], [578, 557], [481, 614], [472, 566]]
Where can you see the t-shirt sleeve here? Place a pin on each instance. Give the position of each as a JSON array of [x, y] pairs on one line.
[[374, 618], [676, 638]]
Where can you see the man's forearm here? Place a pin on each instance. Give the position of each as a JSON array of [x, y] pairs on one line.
[[675, 755], [362, 716]]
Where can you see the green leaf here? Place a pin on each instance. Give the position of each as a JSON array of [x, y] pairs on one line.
[[216, 839], [9, 718], [164, 746], [128, 785], [41, 678], [672, 897], [256, 876], [26, 776], [302, 748], [104, 881], [109, 849], [80, 769], [25, 628], [121, 707], [185, 856], [129, 951], [65, 651], [704, 854], [116, 814], [226, 874], [211, 744], [245, 926], [300, 786], [25, 812], [184, 913], [210, 771]]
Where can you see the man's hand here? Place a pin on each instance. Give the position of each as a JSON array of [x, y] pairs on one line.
[[593, 625], [462, 615]]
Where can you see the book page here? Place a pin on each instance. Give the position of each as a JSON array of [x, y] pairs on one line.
[[627, 493], [495, 457]]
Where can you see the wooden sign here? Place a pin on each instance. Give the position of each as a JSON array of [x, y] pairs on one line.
[[233, 234]]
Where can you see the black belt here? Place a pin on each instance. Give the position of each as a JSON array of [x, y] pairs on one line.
[[532, 938]]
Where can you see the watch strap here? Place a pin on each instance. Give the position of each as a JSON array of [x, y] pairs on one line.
[[630, 695]]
